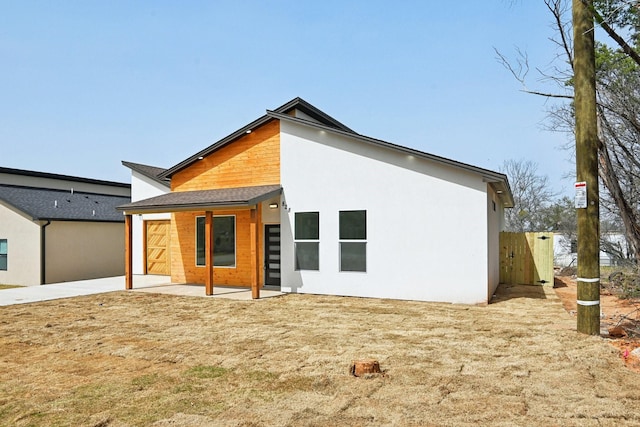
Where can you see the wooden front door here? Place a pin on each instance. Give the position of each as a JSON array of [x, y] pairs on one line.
[[157, 255], [272, 254]]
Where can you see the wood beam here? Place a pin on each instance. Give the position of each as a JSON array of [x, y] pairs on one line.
[[208, 251], [255, 265], [128, 253]]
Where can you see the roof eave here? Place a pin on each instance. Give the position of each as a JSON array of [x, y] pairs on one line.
[[305, 107], [502, 189], [199, 206], [115, 221], [296, 103], [164, 182], [36, 174], [187, 207], [210, 149], [487, 175]]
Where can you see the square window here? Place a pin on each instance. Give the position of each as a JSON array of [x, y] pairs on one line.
[[353, 256], [307, 256], [307, 225], [353, 225]]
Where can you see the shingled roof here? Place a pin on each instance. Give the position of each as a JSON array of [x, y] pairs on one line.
[[152, 172], [36, 174], [201, 199], [62, 205]]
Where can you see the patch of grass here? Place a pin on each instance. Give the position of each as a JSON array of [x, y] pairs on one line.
[[295, 383], [261, 376], [10, 286], [188, 387], [145, 381], [204, 372]]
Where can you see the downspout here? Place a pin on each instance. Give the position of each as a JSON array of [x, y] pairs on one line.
[[43, 252]]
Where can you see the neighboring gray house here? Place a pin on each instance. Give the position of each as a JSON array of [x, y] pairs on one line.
[[58, 228]]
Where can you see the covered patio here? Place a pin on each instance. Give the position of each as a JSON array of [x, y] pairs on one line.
[[207, 202]]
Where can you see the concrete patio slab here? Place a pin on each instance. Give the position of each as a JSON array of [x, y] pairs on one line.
[[27, 294], [141, 283], [228, 292]]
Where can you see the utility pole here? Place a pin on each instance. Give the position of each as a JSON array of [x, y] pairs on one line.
[[587, 198]]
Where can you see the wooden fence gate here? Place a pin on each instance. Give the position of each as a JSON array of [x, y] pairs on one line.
[[526, 258]]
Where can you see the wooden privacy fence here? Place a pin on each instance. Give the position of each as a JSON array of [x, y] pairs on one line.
[[526, 258]]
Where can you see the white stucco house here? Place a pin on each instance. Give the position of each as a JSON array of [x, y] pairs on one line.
[[565, 249], [299, 201], [58, 228]]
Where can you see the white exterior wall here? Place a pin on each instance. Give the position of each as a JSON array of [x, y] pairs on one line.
[[426, 222], [23, 255], [495, 224], [563, 257], [271, 216], [143, 188], [83, 250]]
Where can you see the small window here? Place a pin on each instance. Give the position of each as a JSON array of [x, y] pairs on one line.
[[3, 254], [353, 256], [307, 256], [307, 244], [353, 225], [224, 241], [353, 245], [307, 225]]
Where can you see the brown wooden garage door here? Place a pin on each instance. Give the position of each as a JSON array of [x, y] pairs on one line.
[[157, 259]]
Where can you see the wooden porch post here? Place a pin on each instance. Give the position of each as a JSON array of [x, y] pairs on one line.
[[208, 251], [128, 253], [255, 265]]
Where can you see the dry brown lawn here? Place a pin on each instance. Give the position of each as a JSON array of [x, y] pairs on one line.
[[138, 359]]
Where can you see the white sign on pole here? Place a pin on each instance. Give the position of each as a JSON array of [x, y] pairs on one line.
[[581, 195]]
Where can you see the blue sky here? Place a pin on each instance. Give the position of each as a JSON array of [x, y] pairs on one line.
[[86, 84]]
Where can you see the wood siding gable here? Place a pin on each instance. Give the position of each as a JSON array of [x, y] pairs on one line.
[[252, 160]]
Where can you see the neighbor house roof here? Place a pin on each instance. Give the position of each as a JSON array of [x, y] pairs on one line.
[[203, 199], [152, 172], [499, 181], [36, 174], [61, 205], [295, 104]]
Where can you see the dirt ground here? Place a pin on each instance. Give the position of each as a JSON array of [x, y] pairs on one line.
[[134, 359], [620, 316]]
